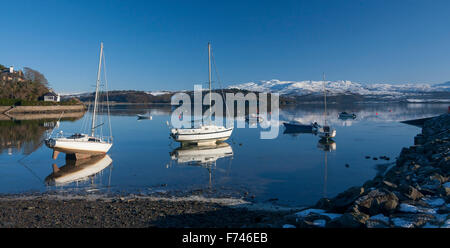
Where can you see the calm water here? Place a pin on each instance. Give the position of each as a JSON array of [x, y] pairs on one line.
[[293, 168]]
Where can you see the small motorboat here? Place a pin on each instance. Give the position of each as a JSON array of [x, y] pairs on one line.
[[253, 118], [294, 126], [144, 116], [345, 115]]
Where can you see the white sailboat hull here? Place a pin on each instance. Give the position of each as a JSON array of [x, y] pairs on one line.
[[201, 136], [75, 146]]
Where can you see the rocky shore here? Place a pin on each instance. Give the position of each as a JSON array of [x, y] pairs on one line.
[[413, 193]]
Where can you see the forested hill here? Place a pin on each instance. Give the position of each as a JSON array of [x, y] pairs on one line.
[[28, 85]]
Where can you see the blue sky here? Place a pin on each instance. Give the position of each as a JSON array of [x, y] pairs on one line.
[[155, 45]]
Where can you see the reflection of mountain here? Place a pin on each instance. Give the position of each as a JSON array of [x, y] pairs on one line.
[[201, 155], [23, 136], [77, 170], [309, 113]]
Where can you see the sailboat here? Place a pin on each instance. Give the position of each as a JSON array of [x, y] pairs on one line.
[[84, 143], [206, 134], [325, 132]]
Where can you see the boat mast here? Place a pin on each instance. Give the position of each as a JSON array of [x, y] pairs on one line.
[[96, 90], [209, 74], [325, 99]]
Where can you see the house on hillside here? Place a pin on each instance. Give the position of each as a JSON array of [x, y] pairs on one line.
[[51, 97], [8, 74]]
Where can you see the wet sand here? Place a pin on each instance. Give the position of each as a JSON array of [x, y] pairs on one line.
[[47, 212]]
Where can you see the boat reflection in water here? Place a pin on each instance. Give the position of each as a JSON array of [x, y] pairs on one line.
[[326, 146], [296, 129], [78, 170], [203, 156]]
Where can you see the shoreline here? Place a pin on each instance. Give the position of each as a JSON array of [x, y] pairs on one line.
[[11, 110]]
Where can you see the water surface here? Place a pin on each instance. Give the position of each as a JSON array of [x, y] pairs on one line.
[[293, 169]]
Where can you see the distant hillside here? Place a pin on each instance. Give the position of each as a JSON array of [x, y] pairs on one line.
[[132, 96], [126, 96], [340, 87], [347, 91], [292, 93]]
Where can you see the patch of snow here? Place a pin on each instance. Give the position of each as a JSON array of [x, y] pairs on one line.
[[157, 93], [446, 224], [380, 217], [320, 222], [407, 208], [288, 226], [339, 87], [399, 222], [306, 212]]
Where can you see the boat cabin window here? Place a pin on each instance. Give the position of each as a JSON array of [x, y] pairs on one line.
[[93, 140], [76, 136]]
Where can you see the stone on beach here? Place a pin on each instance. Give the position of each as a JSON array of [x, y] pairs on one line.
[[434, 202]]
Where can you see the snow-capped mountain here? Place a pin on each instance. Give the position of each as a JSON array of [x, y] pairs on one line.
[[339, 87]]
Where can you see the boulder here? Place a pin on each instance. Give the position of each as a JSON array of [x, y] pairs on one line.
[[349, 220], [324, 203], [377, 201], [411, 192], [345, 199]]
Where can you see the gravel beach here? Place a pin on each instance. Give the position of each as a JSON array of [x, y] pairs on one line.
[[48, 212]]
